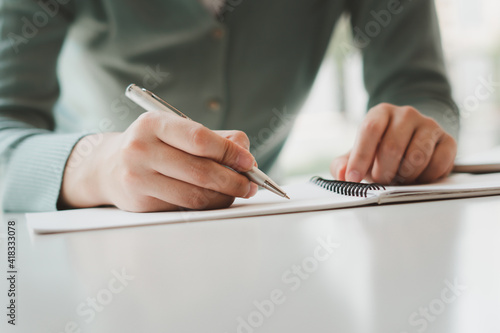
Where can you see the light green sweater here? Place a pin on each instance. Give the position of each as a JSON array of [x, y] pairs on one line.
[[64, 66]]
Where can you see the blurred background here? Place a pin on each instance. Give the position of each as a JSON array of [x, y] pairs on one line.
[[327, 125]]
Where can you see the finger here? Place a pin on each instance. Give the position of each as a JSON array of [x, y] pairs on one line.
[[363, 152], [195, 139], [419, 154], [392, 147], [198, 171], [441, 162], [338, 167], [184, 195], [148, 204], [238, 137]]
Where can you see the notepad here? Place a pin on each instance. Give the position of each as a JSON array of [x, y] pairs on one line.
[[306, 196], [483, 162]]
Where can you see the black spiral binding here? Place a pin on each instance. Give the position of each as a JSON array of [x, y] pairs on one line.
[[346, 188]]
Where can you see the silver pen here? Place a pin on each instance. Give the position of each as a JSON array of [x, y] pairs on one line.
[[149, 101]]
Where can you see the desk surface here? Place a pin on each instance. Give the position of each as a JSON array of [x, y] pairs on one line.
[[420, 267]]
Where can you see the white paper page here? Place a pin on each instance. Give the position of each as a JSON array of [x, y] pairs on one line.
[[304, 197], [488, 161], [454, 186]]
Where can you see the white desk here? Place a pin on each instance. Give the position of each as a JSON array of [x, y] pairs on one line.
[[394, 263]]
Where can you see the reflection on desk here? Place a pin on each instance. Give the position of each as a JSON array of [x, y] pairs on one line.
[[420, 267]]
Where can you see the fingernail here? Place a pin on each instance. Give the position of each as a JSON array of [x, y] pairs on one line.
[[253, 190], [353, 176]]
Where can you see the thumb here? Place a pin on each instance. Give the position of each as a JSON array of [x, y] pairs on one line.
[[238, 137], [339, 166]]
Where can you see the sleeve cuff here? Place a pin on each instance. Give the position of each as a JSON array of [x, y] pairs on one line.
[[35, 170]]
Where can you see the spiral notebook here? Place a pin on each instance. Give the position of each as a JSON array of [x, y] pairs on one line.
[[481, 162], [317, 194]]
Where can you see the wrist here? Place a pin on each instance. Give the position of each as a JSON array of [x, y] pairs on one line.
[[82, 184]]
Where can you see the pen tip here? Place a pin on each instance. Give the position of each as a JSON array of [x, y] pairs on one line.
[[286, 196]]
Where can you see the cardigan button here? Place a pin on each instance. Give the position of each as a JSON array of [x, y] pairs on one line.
[[214, 105], [218, 33]]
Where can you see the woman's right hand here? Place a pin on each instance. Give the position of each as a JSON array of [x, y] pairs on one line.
[[161, 162]]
